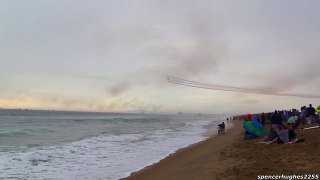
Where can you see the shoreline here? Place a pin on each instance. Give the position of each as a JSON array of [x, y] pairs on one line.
[[229, 156], [194, 161]]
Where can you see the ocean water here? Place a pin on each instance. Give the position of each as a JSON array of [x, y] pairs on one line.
[[82, 145]]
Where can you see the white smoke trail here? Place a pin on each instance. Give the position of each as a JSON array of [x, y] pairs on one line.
[[184, 82]]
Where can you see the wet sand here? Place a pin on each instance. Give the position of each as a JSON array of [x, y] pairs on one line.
[[199, 161], [228, 156]]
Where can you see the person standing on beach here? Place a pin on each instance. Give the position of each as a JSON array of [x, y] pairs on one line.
[[276, 120], [303, 114], [263, 119], [221, 128], [311, 113], [283, 118]]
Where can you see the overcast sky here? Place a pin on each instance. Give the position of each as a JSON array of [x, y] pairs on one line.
[[116, 55]]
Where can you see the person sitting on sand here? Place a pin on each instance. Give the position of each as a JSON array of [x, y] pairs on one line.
[[272, 135], [292, 134], [282, 136], [286, 135]]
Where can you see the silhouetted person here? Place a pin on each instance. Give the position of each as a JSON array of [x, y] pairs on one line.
[[276, 120], [263, 119], [221, 128], [311, 114]]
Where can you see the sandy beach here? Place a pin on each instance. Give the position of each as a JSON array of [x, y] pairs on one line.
[[228, 156], [199, 161], [274, 159]]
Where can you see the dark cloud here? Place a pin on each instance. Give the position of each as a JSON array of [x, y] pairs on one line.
[[137, 104], [131, 104], [119, 88]]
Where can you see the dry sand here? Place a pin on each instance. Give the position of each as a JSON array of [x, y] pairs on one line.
[[274, 159], [228, 156]]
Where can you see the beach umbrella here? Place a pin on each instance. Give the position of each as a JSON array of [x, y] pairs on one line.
[[292, 120], [318, 109], [255, 128]]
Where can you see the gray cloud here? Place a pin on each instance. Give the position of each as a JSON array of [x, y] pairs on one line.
[[119, 46], [289, 78], [198, 50], [203, 42]]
